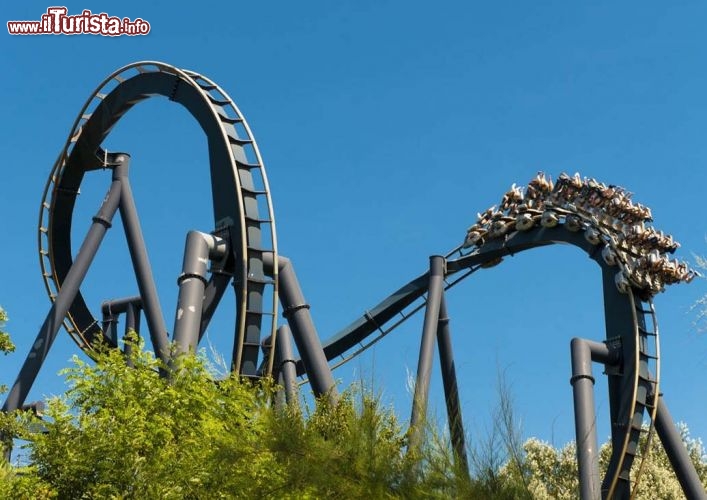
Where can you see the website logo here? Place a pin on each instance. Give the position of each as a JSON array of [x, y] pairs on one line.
[[57, 21]]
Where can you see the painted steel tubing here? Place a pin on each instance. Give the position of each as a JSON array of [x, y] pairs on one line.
[[242, 205]]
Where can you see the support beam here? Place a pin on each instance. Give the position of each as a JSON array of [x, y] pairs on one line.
[[677, 454], [286, 364], [213, 293], [585, 418], [109, 326], [132, 324], [424, 365], [69, 288], [198, 250], [111, 310], [583, 352], [451, 388], [141, 264], [296, 311]]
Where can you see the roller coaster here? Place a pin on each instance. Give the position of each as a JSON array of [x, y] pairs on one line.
[[240, 252]]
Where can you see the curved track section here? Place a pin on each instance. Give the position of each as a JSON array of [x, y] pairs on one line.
[[242, 206], [602, 221]]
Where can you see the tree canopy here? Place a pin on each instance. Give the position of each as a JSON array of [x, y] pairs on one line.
[[124, 431], [6, 345]]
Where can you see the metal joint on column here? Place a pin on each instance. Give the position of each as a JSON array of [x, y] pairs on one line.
[[579, 377], [185, 276], [289, 311], [102, 220]]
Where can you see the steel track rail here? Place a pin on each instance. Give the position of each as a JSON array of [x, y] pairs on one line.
[[654, 384], [268, 243], [632, 376], [239, 186]]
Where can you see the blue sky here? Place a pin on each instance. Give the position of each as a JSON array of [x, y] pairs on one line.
[[385, 127]]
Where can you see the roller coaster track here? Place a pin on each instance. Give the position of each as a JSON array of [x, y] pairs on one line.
[[599, 219], [634, 383], [243, 211]]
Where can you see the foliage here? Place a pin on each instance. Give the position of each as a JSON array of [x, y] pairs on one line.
[[700, 305], [6, 345], [22, 483], [350, 450], [552, 472], [127, 432], [123, 432], [500, 451]]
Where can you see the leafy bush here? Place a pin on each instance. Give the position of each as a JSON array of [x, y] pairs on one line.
[[122, 432], [6, 345], [127, 432]]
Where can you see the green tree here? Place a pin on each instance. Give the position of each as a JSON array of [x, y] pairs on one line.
[[6, 345], [16, 482], [552, 472], [129, 433], [700, 306], [123, 432]]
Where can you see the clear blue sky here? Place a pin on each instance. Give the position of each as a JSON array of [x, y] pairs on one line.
[[385, 126]]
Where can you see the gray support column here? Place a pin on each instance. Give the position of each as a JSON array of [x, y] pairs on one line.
[[427, 345], [132, 319], [132, 324], [198, 249], [141, 263], [451, 389], [677, 454], [119, 306], [111, 310], [215, 288], [109, 326], [296, 311], [286, 363], [582, 352], [47, 333]]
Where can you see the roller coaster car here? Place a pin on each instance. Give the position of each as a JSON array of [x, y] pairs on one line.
[[500, 227], [573, 223], [609, 256], [473, 238], [622, 282], [524, 222], [592, 236], [549, 219]]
